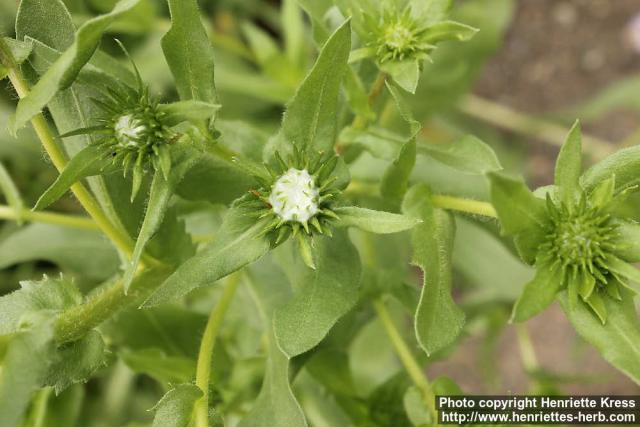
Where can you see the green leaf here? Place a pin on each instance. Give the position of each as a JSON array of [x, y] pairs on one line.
[[405, 73], [624, 164], [189, 52], [438, 320], [51, 295], [569, 166], [158, 365], [55, 29], [431, 10], [176, 407], [25, 364], [623, 269], [65, 70], [468, 154], [323, 296], [618, 341], [293, 31], [448, 30], [404, 109], [518, 209], [88, 162], [187, 111], [67, 247], [539, 293], [374, 221], [276, 404], [241, 241], [19, 50], [311, 117], [75, 362], [396, 177], [10, 191], [159, 196], [629, 246]]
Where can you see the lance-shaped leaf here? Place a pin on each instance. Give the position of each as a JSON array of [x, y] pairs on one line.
[[618, 340], [468, 154], [311, 117], [240, 242], [569, 166], [539, 293], [438, 320], [176, 407], [276, 404], [374, 221], [395, 180], [64, 71], [189, 52], [182, 159], [405, 73], [518, 209], [90, 161], [323, 295], [624, 164], [187, 111], [449, 30]]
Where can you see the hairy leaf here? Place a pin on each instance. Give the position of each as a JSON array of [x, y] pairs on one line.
[[569, 166], [518, 209], [65, 70], [539, 293], [618, 340], [323, 296], [88, 162], [241, 241], [374, 221], [310, 119], [468, 154], [432, 243], [176, 407], [624, 164], [189, 53]]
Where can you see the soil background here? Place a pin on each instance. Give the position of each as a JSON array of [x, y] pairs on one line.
[[556, 55]]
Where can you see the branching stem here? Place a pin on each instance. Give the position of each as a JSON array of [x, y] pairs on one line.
[[74, 221], [203, 369]]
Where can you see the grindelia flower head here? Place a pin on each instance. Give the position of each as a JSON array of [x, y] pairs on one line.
[[294, 196]]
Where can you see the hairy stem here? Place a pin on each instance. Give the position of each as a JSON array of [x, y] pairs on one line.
[[527, 352], [74, 221], [517, 122], [411, 365], [464, 205], [203, 369], [119, 238]]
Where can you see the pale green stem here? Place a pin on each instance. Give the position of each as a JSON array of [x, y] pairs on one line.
[[464, 205], [411, 365], [527, 352], [120, 239], [74, 221], [376, 89], [517, 122], [39, 408], [203, 369]]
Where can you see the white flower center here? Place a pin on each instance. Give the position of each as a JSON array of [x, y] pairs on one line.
[[294, 196], [398, 37], [128, 130]]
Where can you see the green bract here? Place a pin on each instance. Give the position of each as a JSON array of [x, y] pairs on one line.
[[573, 237]]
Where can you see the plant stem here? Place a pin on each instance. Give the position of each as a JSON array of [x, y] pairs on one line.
[[39, 408], [415, 371], [517, 122], [120, 239], [360, 122], [527, 352], [203, 369], [74, 221], [464, 205]]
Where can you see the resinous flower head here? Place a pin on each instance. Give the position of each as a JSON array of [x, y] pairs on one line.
[[297, 196], [397, 35], [130, 131]]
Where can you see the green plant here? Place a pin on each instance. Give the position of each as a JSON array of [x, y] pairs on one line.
[[258, 269]]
